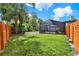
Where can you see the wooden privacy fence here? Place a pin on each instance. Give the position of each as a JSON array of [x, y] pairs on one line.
[[73, 34], [5, 33]]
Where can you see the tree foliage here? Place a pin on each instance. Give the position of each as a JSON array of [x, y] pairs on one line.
[[18, 14]]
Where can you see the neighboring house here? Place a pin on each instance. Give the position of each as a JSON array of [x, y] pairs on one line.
[[51, 26], [60, 25], [54, 26]]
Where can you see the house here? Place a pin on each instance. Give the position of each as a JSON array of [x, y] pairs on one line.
[[54, 26], [51, 26]]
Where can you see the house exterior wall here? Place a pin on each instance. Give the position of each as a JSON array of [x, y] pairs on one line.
[[57, 27]]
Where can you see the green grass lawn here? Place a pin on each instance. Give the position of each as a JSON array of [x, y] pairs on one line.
[[37, 45]]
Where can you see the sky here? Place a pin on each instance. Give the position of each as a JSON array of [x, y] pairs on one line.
[[55, 11]]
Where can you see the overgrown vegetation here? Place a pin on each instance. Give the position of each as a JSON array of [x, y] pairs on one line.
[[17, 16], [37, 45]]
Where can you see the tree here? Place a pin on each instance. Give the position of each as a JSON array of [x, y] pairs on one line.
[[18, 14], [34, 22], [5, 12], [40, 21]]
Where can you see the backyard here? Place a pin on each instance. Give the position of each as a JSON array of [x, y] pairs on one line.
[[31, 44]]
